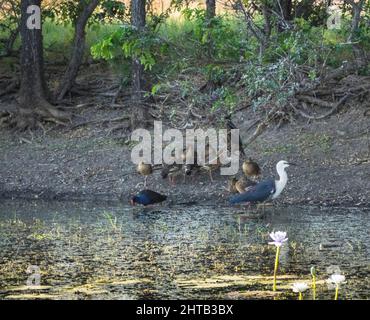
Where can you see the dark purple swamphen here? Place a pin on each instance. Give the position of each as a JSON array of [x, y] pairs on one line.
[[147, 197]]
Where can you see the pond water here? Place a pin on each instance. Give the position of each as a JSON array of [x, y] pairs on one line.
[[111, 251]]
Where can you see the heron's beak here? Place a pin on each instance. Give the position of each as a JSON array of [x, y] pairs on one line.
[[292, 164]]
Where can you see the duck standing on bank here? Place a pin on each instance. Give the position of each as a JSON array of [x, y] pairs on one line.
[[251, 169], [212, 161], [188, 168], [244, 184], [266, 189], [240, 185], [231, 185], [171, 171], [144, 169]]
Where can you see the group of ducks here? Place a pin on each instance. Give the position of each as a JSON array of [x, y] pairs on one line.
[[245, 189], [251, 170], [181, 168]]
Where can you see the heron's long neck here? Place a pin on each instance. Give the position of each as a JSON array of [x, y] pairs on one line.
[[281, 183]]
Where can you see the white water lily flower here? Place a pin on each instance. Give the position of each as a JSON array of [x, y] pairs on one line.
[[300, 287], [336, 279], [279, 238]]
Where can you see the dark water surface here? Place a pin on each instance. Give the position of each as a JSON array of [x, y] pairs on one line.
[[108, 251]]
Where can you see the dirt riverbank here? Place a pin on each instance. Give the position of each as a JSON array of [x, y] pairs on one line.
[[91, 162]]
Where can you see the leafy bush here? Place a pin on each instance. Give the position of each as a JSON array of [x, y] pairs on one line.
[[271, 84], [67, 11], [220, 37], [128, 42]]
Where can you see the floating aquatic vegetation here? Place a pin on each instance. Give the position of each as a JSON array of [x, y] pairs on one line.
[[279, 238]]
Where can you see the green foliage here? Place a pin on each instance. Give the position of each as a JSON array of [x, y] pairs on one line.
[[227, 99], [215, 73], [111, 11], [363, 34], [313, 46], [193, 46], [128, 43], [9, 17], [270, 83], [216, 37], [68, 11]]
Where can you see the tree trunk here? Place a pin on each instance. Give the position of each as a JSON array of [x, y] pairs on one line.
[[263, 34], [138, 15], [33, 103], [266, 30], [77, 50], [356, 16], [286, 6], [284, 9], [210, 9], [210, 14], [304, 9], [32, 74]]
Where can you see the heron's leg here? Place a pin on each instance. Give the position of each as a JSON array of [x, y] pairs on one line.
[[145, 181], [210, 175], [259, 206]]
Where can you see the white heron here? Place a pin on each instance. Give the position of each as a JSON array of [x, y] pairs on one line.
[[266, 189]]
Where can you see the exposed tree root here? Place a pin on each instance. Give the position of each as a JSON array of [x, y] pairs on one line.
[[316, 101], [10, 88], [30, 118], [325, 115]]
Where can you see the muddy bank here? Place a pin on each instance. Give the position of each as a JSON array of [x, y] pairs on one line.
[[91, 163]]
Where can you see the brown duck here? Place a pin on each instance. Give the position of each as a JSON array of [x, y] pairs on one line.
[[251, 168], [240, 185], [144, 169], [212, 161], [244, 184], [171, 171], [231, 185], [189, 168]]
